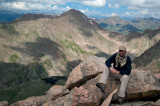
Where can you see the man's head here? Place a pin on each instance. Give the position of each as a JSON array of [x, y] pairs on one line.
[[122, 50]]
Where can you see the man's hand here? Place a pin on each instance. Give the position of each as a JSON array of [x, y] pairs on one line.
[[114, 70]]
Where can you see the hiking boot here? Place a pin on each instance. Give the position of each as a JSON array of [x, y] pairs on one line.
[[120, 100], [115, 97], [101, 86]]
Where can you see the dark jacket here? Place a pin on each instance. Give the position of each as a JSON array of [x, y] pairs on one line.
[[126, 69]]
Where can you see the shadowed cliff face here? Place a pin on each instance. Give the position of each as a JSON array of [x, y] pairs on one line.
[[150, 59], [147, 33], [42, 46], [13, 74]]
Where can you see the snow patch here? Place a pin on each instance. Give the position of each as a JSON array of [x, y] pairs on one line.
[[91, 21]]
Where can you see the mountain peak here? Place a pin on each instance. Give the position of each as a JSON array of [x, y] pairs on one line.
[[72, 12], [77, 16], [117, 18]]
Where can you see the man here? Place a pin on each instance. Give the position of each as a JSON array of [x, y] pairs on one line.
[[120, 70]]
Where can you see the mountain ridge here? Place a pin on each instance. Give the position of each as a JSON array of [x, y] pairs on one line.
[[116, 24]]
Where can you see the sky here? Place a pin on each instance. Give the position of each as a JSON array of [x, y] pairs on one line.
[[91, 8]]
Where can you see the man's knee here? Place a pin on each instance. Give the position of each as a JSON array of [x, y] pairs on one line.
[[125, 78]]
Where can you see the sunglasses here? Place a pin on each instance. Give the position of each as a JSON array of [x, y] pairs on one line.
[[121, 51]]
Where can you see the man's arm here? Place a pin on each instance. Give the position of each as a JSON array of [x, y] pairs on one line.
[[110, 60], [114, 70]]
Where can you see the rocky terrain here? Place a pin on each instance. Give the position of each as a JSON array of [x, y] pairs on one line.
[[80, 88], [39, 51]]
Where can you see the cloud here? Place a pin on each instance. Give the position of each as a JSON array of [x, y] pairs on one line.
[[111, 15], [142, 8], [142, 13], [127, 14], [28, 6], [91, 13], [142, 3], [58, 6], [113, 6], [145, 11], [96, 3], [51, 2], [24, 6]]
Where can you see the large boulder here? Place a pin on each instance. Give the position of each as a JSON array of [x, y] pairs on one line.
[[142, 85], [142, 81], [136, 103], [31, 101], [86, 95], [3, 103], [139, 103], [65, 100], [56, 91], [85, 71]]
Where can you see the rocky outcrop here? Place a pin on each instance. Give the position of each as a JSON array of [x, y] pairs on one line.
[[142, 84], [139, 103], [85, 71], [56, 92], [3, 103], [86, 94], [83, 91], [36, 101]]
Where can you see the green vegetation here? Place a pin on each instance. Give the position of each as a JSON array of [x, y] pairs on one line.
[[17, 74], [13, 58], [22, 81], [41, 55], [158, 65], [34, 88], [101, 38], [47, 64], [1, 57], [9, 28], [36, 33], [69, 36], [26, 35], [73, 46]]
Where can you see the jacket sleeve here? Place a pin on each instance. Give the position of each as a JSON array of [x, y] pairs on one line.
[[110, 60], [128, 67]]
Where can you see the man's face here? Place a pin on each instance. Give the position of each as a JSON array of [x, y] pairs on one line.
[[122, 53]]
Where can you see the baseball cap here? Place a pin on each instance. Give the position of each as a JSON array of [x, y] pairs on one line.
[[122, 47]]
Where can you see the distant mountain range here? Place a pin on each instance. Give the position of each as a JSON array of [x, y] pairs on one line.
[[116, 24], [8, 17]]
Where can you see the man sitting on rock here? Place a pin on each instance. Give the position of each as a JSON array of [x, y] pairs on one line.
[[120, 70]]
